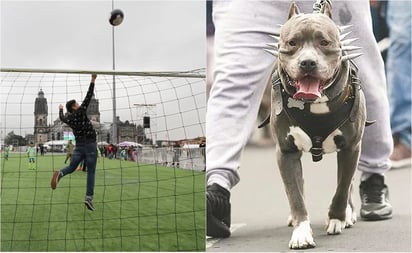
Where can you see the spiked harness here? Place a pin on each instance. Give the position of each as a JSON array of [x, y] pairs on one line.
[[319, 126]]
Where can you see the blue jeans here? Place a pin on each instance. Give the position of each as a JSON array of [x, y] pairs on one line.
[[88, 153], [399, 68]]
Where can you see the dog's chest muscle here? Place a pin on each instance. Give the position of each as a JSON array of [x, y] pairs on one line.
[[304, 143]]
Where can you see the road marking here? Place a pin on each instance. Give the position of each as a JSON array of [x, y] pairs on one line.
[[212, 241]]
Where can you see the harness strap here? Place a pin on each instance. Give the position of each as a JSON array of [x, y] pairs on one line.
[[319, 126]]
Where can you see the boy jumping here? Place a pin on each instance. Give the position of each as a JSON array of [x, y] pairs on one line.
[[85, 143]]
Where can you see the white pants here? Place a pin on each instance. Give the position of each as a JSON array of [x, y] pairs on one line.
[[242, 70]]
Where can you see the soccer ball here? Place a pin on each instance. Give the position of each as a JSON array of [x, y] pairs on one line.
[[116, 17]]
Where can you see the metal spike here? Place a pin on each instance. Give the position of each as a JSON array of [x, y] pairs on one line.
[[274, 45], [344, 27], [272, 52], [342, 36], [275, 37], [351, 56], [350, 48], [348, 41]]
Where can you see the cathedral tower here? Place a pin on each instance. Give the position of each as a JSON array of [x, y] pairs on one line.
[[40, 119]]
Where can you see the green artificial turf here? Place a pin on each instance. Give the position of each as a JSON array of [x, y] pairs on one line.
[[139, 207]]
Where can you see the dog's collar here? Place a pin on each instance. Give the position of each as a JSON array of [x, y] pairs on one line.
[[319, 126]]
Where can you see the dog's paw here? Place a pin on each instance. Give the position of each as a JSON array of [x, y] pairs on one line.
[[335, 226], [302, 237], [351, 218]]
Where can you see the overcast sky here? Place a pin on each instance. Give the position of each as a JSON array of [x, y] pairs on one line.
[[155, 36]]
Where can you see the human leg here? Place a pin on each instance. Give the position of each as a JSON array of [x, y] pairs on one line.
[[242, 70], [377, 139], [90, 163], [32, 164], [78, 156], [399, 79]]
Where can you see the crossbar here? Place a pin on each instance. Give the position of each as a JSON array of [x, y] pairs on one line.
[[183, 74]]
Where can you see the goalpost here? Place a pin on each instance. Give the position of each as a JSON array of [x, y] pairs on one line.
[[144, 199]]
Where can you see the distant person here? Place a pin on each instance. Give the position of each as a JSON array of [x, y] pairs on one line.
[[177, 151], [86, 145], [123, 154], [110, 151], [202, 147], [99, 154], [42, 151], [69, 151], [163, 154], [31, 154], [115, 149], [6, 152], [134, 155], [398, 69]]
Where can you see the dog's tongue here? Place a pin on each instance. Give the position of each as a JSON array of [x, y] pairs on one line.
[[307, 88]]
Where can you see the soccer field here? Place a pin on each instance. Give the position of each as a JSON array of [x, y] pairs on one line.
[[139, 207]]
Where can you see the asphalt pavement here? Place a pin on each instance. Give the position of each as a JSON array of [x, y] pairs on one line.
[[260, 209]]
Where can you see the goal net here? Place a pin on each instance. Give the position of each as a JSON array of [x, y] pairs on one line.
[[150, 182]]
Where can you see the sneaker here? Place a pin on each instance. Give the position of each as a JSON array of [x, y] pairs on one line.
[[375, 199], [55, 179], [218, 211], [89, 203]]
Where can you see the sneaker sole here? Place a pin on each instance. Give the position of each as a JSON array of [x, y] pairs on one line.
[[216, 228], [90, 207], [55, 177], [372, 216], [376, 217]]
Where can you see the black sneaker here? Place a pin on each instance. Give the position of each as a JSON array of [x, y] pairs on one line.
[[375, 199], [89, 203], [218, 211]]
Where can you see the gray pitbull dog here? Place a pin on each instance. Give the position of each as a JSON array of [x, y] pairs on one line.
[[317, 107]]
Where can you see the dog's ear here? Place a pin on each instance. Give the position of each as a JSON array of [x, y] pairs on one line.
[[293, 10], [326, 9]]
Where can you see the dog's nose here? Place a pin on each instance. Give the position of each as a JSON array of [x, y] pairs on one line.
[[308, 65]]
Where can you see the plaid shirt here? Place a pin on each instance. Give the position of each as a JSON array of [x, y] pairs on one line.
[[82, 127]]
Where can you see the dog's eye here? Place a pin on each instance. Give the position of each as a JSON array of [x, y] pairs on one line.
[[292, 43], [324, 43]]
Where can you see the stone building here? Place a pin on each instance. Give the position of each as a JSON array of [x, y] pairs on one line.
[[126, 131]]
